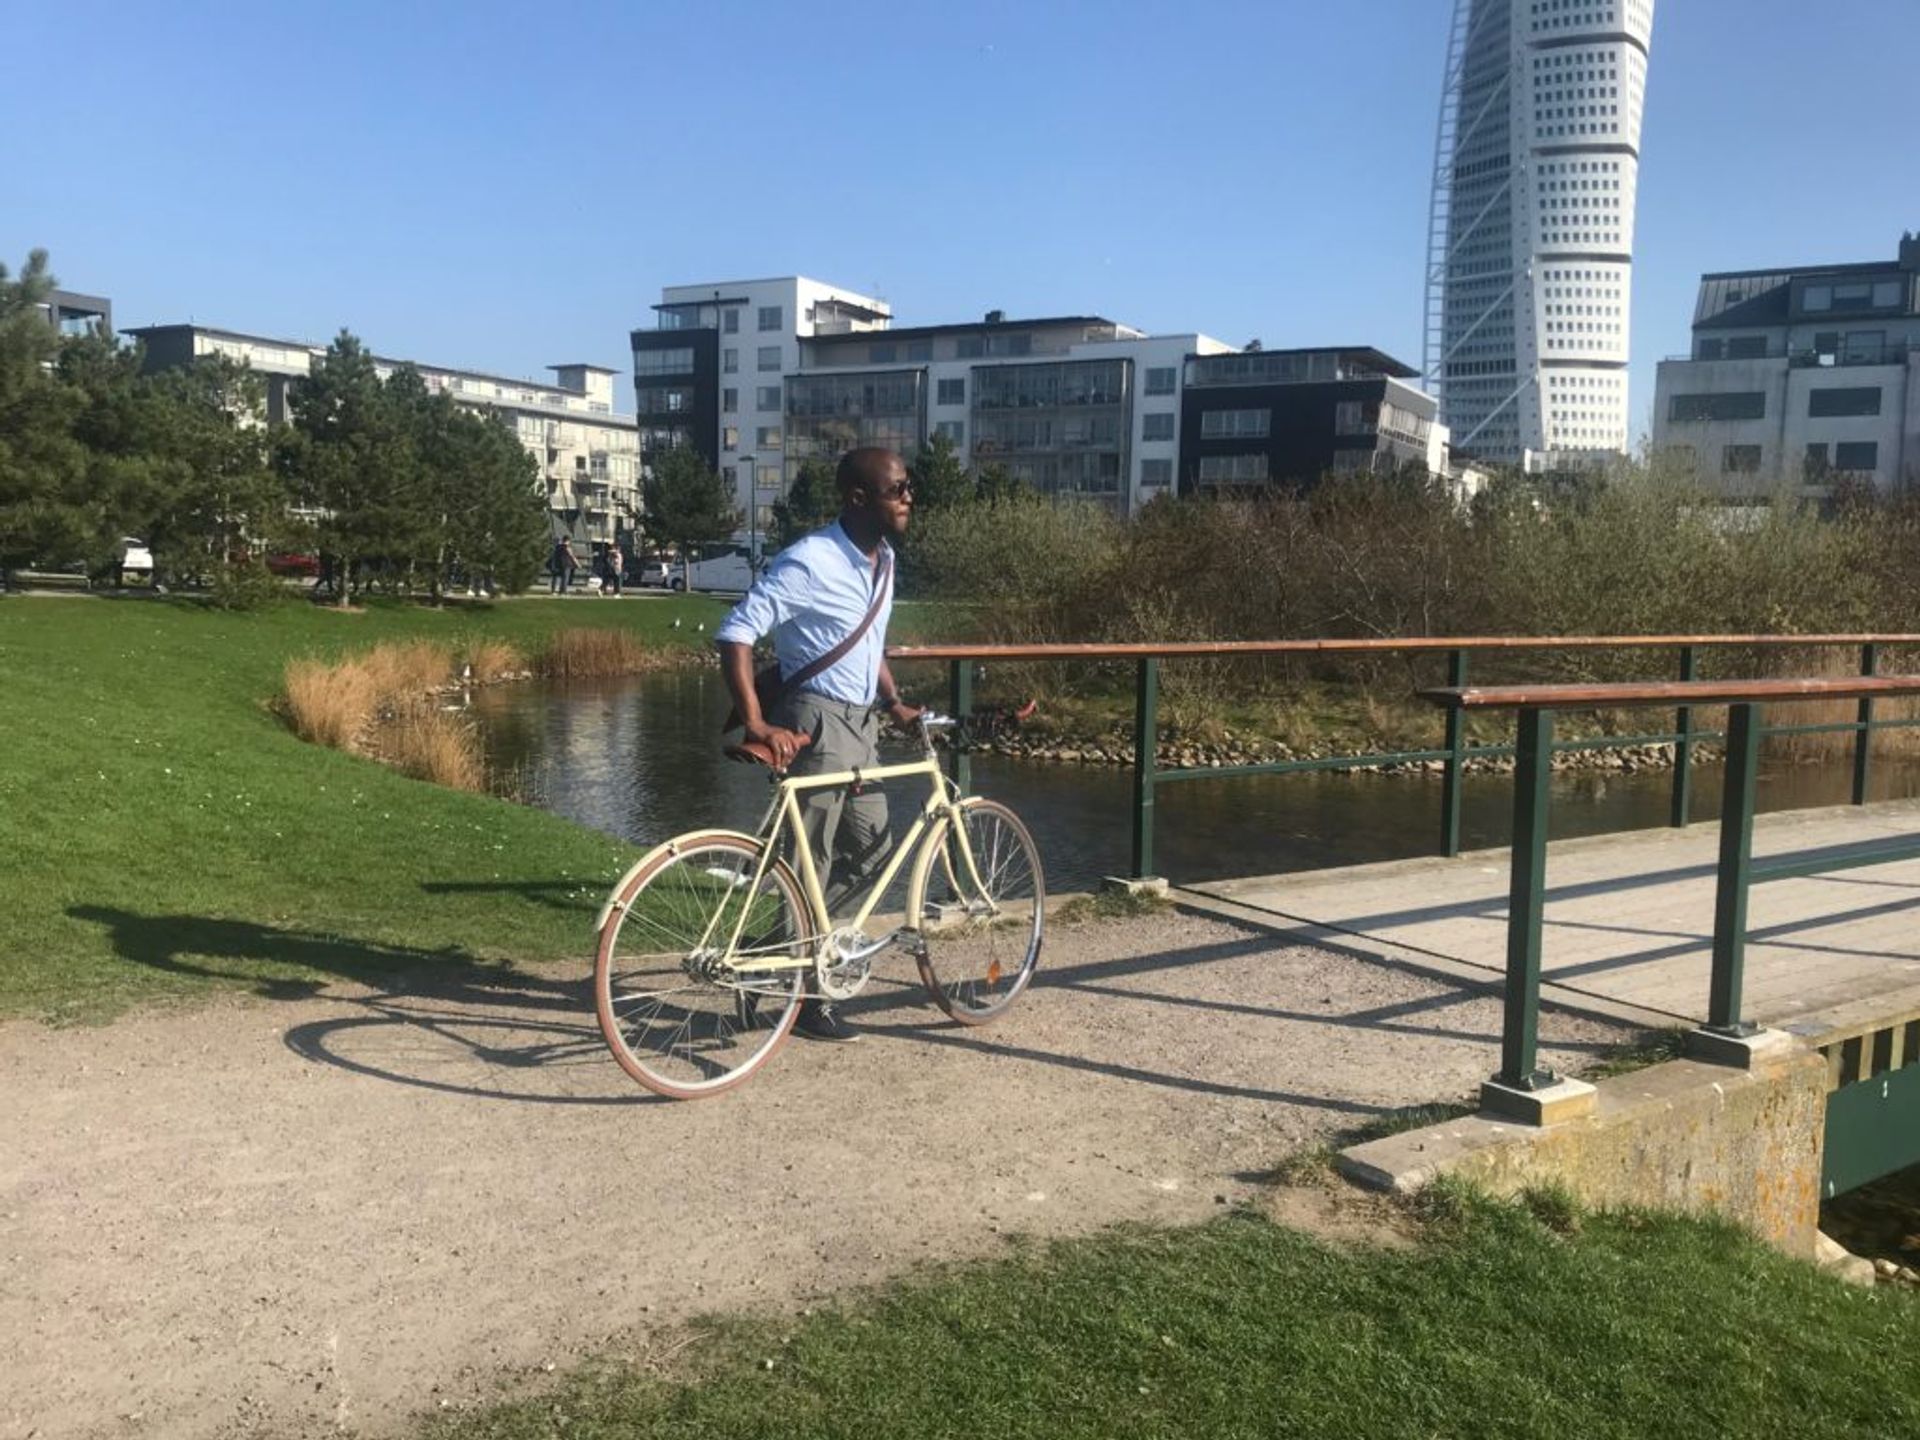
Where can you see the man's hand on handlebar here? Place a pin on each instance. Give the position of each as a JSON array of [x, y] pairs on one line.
[[784, 744]]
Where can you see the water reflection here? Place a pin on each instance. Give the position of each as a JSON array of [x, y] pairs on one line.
[[641, 759]]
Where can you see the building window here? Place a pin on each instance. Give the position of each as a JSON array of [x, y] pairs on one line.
[[769, 477], [729, 360], [1155, 473], [767, 437], [663, 399], [1864, 347], [766, 397], [1235, 424], [1746, 347], [663, 362], [770, 317], [919, 350], [1356, 417], [954, 430], [769, 357], [730, 438], [1733, 405], [1157, 426], [1856, 455], [729, 399], [1817, 297], [1861, 400], [883, 354], [1353, 462], [1740, 460], [730, 321], [1160, 380], [1814, 467], [950, 392], [1215, 469], [970, 347]]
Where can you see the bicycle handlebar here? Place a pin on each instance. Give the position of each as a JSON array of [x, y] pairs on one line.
[[754, 751]]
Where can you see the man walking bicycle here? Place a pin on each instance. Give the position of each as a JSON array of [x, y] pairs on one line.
[[826, 600]]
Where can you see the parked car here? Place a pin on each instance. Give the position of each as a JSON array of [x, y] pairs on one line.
[[294, 566], [656, 572], [134, 565], [726, 567]]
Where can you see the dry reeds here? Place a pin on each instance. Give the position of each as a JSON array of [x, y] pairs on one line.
[[328, 704], [436, 746], [402, 672], [492, 660], [591, 654]]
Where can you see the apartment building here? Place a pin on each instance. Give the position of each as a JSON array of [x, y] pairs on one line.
[[589, 456], [1288, 417], [1074, 406], [711, 373], [74, 314], [1799, 376]]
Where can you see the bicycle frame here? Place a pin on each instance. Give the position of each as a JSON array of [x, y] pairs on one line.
[[783, 815]]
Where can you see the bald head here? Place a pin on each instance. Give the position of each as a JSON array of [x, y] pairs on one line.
[[871, 468], [876, 495]]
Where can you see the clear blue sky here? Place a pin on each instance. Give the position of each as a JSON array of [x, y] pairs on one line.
[[504, 187]]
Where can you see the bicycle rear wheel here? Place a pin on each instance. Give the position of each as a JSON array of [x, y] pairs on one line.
[[678, 1020], [980, 924]]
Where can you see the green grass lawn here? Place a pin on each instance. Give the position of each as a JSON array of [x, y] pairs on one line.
[[164, 834], [1498, 1323]]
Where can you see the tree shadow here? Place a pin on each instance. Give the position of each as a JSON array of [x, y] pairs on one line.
[[444, 1020]]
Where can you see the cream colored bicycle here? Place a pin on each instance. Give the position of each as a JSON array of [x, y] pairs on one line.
[[708, 945]]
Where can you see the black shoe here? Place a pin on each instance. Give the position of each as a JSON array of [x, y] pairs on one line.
[[819, 1022]]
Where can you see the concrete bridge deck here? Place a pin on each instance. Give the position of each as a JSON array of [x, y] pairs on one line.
[[1629, 917]]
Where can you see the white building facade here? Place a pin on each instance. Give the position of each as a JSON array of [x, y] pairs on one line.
[[711, 373], [1530, 236], [589, 456], [1799, 378]]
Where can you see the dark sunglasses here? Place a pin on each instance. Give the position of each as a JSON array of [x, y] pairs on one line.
[[902, 491]]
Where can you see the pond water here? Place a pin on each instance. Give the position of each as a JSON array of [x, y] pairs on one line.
[[640, 758]]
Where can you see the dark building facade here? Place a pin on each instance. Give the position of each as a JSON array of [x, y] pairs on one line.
[[1283, 419], [676, 381]]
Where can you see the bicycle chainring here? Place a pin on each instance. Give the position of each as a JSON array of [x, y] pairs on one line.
[[842, 968]]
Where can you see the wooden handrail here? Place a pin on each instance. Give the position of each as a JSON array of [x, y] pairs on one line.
[[1188, 649], [1666, 692]]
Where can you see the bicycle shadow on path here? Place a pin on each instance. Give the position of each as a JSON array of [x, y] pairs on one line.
[[443, 1020]]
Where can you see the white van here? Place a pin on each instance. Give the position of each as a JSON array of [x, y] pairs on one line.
[[719, 567]]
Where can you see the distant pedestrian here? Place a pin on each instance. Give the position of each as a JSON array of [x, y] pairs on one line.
[[614, 562], [563, 565]]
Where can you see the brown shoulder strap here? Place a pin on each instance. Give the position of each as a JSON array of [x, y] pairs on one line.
[[834, 656]]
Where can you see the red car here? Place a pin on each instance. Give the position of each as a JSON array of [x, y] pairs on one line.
[[306, 567]]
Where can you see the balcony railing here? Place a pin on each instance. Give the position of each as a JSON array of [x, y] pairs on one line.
[[1801, 358]]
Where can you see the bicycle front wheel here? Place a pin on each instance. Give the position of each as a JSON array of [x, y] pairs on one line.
[[982, 906], [686, 1010]]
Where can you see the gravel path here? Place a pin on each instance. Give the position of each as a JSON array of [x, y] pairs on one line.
[[318, 1215]]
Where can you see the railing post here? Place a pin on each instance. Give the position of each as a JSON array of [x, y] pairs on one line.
[[1736, 863], [1456, 758], [1863, 737], [1683, 750], [960, 698], [1146, 739], [1520, 1033]]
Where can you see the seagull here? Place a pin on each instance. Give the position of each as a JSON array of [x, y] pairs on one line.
[[676, 622]]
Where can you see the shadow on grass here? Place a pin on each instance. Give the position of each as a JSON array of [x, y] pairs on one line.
[[438, 1019]]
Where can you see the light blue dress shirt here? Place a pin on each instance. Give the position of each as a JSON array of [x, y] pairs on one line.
[[811, 597]]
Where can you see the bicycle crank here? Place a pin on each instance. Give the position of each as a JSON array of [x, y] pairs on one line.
[[845, 962]]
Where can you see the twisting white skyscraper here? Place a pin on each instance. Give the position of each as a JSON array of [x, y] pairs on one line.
[[1530, 238]]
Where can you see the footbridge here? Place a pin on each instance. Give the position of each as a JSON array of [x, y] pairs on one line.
[[1783, 945]]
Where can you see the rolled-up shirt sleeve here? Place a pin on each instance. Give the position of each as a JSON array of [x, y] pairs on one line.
[[777, 596]]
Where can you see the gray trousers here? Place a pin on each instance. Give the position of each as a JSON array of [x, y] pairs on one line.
[[847, 832]]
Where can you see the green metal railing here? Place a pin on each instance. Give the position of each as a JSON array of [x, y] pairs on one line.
[[1457, 751], [1520, 1070]]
